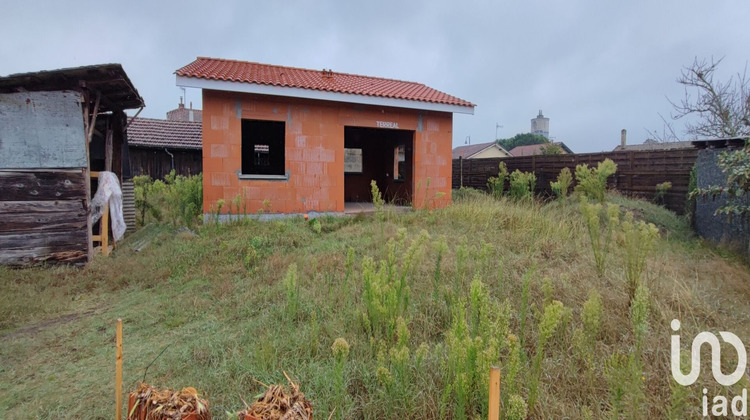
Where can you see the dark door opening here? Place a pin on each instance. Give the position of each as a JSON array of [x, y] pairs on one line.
[[382, 155]]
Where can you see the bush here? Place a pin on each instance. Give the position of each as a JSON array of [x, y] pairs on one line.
[[522, 184], [178, 199], [562, 185], [592, 182], [496, 185], [661, 192]]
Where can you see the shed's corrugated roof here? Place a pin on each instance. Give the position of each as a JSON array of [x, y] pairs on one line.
[[146, 132], [265, 74]]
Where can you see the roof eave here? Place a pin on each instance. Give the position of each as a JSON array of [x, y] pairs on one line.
[[293, 92]]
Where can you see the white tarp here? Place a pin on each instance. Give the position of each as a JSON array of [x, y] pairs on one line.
[[109, 191]]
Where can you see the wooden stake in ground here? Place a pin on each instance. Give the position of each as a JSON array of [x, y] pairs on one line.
[[118, 373], [494, 411]]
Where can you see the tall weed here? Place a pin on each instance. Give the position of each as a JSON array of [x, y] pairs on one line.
[[639, 239], [522, 184], [496, 185], [562, 185], [592, 182], [600, 224]]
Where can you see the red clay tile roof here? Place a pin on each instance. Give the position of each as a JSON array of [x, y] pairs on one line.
[[146, 132], [264, 74], [535, 149]]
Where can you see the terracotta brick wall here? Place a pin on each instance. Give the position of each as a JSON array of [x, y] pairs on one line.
[[314, 151]]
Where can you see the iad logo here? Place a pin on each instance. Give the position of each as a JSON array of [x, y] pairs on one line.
[[720, 403]]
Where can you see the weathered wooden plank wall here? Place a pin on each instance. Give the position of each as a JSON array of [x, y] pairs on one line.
[[637, 172], [43, 217], [157, 163]]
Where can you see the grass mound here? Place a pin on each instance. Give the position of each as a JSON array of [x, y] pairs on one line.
[[425, 302]]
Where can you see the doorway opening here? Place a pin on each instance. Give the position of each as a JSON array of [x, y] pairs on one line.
[[383, 155]]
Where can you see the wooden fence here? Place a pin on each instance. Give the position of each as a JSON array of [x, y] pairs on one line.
[[638, 172]]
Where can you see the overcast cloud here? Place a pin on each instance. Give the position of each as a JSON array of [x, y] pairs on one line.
[[593, 67]]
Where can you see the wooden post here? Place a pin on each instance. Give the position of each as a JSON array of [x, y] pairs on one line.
[[118, 372], [494, 411], [104, 230], [461, 169]]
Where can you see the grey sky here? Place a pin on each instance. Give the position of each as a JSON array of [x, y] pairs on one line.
[[593, 67]]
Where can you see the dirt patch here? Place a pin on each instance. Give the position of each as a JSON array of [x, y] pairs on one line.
[[43, 325]]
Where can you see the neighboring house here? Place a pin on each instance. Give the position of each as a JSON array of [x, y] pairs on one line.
[[57, 130], [654, 145], [159, 146], [290, 140], [185, 114], [482, 150], [536, 149]]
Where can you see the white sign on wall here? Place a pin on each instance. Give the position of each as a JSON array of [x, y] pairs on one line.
[[386, 124], [353, 160]]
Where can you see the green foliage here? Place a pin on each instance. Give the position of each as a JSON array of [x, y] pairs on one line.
[[592, 182], [624, 375], [562, 185], [553, 313], [551, 149], [386, 285], [179, 199], [496, 185], [291, 287], [639, 239], [517, 408], [340, 349], [522, 184], [736, 164], [661, 192], [472, 348], [378, 202], [591, 316], [600, 223], [522, 139], [315, 225], [639, 316]]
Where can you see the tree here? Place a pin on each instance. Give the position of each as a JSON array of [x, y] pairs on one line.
[[551, 149], [522, 139], [722, 110]]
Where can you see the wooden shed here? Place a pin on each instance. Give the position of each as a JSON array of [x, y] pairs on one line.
[[57, 130]]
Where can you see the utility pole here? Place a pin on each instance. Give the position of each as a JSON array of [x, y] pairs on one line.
[[497, 125]]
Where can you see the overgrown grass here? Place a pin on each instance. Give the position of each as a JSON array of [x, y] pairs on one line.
[[447, 305]]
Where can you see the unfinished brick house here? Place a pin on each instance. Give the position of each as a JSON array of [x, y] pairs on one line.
[[309, 140]]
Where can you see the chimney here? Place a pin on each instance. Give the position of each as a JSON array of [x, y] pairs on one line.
[[623, 136]]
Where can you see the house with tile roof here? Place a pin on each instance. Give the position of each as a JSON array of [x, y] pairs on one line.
[[536, 149], [159, 146], [312, 140], [481, 150]]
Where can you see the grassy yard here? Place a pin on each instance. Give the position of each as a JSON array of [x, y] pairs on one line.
[[426, 302]]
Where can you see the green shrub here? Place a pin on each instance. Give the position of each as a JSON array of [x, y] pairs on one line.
[[639, 238], [291, 287], [592, 182], [562, 185], [340, 349], [517, 408], [661, 192], [553, 313], [178, 199], [522, 184], [496, 185], [600, 223]]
